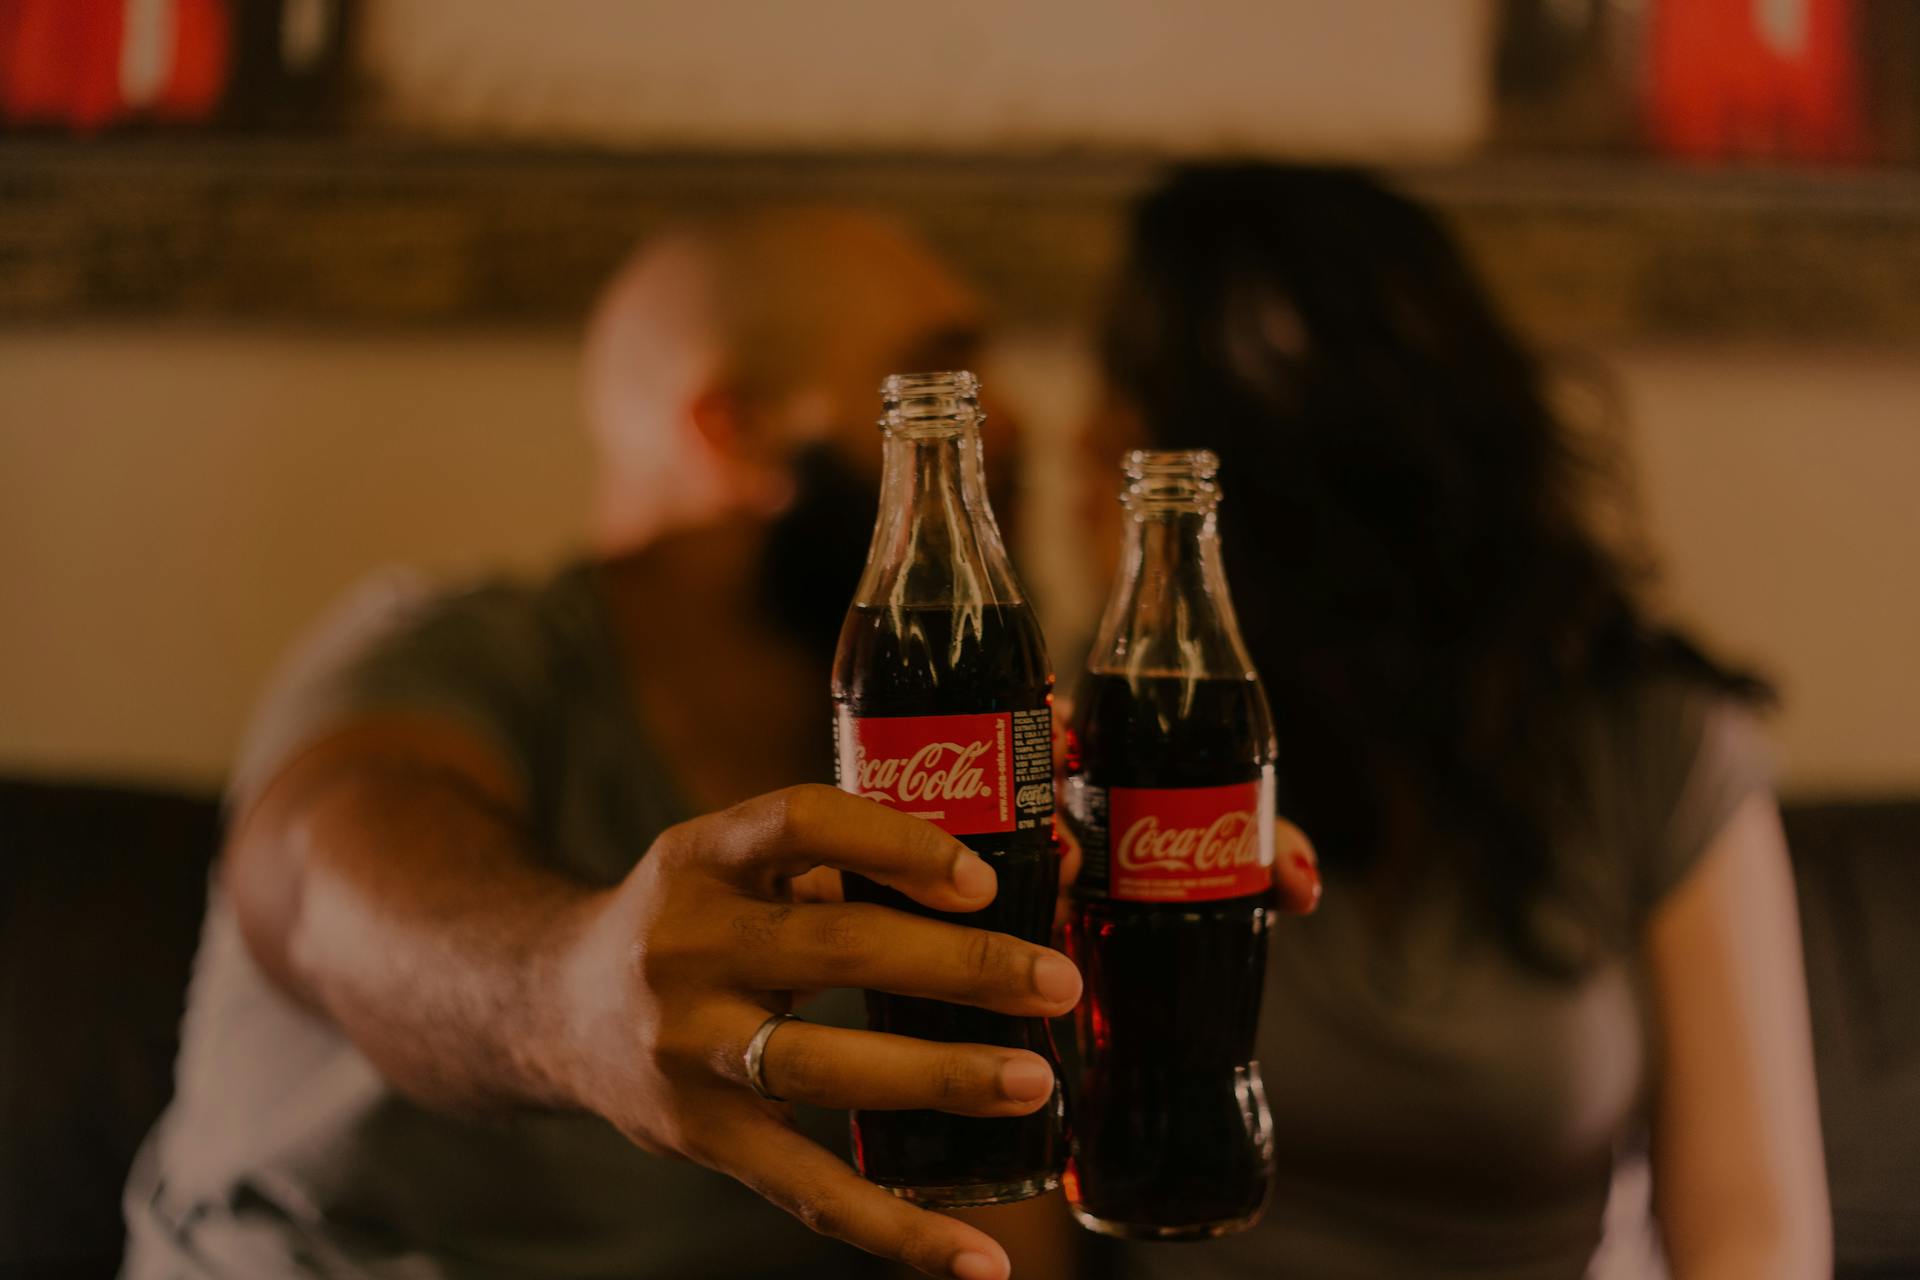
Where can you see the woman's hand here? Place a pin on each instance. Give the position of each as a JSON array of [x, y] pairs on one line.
[[1296, 868], [678, 966]]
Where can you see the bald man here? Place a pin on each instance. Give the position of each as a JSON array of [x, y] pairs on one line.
[[477, 983]]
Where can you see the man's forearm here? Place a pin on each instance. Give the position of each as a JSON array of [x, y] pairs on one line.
[[401, 902]]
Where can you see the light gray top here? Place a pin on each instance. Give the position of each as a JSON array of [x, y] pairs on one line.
[[286, 1154], [1441, 1110]]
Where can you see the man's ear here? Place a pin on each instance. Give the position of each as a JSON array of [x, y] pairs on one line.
[[718, 415], [756, 479]]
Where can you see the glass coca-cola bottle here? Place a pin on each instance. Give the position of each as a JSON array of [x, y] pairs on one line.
[[943, 709], [1169, 790]]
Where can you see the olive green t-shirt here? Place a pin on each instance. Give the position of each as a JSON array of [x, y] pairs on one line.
[[285, 1153]]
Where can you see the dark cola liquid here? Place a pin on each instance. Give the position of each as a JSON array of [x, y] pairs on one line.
[[931, 662], [1171, 1135]]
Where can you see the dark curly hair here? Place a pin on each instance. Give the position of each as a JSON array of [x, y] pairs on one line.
[[1407, 527]]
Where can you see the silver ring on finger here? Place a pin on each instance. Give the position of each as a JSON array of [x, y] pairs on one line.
[[756, 1056]]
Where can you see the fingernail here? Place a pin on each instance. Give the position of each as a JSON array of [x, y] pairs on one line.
[[973, 877], [1024, 1079], [975, 1266], [1055, 978]]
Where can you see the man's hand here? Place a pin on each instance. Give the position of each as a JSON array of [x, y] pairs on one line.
[[675, 970], [385, 880]]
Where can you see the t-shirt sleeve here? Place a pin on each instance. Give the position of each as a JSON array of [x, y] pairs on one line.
[[1702, 754], [473, 657]]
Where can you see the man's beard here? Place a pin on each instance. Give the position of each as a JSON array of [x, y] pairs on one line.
[[815, 550]]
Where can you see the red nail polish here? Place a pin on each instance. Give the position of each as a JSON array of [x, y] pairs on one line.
[[1305, 866]]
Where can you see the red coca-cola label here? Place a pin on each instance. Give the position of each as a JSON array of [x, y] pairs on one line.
[[1189, 844], [954, 771]]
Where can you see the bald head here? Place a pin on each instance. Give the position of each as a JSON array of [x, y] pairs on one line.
[[723, 347]]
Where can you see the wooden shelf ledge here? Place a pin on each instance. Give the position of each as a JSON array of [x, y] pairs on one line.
[[346, 231]]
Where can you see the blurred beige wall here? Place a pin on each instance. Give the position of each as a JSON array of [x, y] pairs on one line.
[[175, 505], [1379, 77], [1783, 489]]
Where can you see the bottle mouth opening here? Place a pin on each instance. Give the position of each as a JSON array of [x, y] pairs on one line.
[[1170, 480], [1151, 464], [948, 399]]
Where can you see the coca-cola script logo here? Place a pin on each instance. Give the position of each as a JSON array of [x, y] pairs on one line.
[[955, 771], [1189, 844], [1230, 840], [937, 771]]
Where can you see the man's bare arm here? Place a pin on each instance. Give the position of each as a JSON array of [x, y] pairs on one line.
[[382, 879]]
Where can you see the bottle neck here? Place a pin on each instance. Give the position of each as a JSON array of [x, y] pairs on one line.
[[935, 541], [1170, 613]]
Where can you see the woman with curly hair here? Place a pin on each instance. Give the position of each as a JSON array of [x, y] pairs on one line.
[[1559, 921]]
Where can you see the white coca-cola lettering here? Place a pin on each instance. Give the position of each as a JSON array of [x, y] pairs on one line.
[[937, 771], [1230, 840]]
